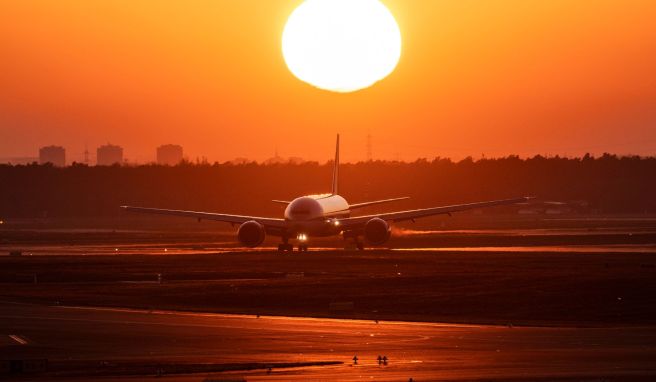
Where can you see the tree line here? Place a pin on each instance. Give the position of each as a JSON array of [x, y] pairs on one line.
[[608, 184]]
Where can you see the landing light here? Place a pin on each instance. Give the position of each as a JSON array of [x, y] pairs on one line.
[[302, 237]]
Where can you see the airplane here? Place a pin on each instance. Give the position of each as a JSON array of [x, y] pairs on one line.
[[323, 215]]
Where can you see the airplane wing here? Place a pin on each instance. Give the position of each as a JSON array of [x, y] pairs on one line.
[[235, 219], [355, 222], [366, 204]]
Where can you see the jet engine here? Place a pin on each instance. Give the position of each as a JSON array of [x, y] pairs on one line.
[[251, 233], [377, 231]]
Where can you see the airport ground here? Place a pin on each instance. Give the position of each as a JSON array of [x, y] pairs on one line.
[[498, 299]]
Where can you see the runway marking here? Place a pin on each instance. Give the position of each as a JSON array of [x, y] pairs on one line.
[[283, 318], [214, 326], [19, 339]]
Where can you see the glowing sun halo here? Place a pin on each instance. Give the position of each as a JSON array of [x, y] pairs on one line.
[[341, 45]]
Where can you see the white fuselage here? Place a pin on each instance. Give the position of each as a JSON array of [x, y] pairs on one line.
[[317, 215]]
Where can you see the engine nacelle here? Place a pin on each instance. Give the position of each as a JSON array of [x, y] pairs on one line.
[[377, 231], [251, 233]]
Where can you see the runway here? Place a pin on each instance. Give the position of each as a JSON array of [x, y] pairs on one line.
[[422, 351]]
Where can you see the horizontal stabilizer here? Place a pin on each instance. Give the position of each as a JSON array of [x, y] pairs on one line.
[[281, 201], [367, 204]]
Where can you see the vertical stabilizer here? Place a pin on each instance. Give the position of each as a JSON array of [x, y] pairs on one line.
[[336, 168]]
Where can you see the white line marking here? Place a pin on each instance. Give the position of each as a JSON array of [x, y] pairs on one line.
[[19, 339], [285, 318]]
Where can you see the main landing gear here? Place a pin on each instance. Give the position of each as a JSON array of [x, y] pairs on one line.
[[356, 243], [352, 241], [285, 247], [302, 248]]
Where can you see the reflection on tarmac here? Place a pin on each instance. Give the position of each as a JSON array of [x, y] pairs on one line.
[[614, 238], [422, 351], [526, 232], [217, 248], [546, 248]]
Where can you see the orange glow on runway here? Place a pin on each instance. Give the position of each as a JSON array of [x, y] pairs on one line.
[[424, 351]]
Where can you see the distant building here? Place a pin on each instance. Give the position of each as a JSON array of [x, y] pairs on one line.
[[169, 155], [108, 155], [53, 154]]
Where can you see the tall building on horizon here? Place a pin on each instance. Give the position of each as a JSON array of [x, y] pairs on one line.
[[109, 155], [53, 154], [169, 155]]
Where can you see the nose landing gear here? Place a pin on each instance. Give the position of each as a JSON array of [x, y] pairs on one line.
[[356, 244]]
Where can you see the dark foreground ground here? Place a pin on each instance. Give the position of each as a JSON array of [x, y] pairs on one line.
[[474, 286], [572, 299], [110, 344]]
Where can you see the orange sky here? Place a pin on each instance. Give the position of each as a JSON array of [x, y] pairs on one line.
[[476, 77]]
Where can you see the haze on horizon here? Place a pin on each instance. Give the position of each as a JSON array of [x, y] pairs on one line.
[[503, 77]]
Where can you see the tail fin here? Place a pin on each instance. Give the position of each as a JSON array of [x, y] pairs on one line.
[[336, 168]]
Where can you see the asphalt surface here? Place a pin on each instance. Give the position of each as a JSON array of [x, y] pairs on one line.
[[422, 351]]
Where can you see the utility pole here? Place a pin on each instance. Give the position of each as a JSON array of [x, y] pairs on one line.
[[86, 154]]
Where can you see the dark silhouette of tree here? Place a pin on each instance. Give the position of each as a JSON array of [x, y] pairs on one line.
[[610, 184]]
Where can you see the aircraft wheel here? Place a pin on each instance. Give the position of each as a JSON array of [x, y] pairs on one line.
[[285, 247], [360, 246]]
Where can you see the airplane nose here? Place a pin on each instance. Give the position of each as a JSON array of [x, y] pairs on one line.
[[303, 209]]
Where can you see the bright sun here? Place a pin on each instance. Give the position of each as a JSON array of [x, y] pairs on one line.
[[341, 45]]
